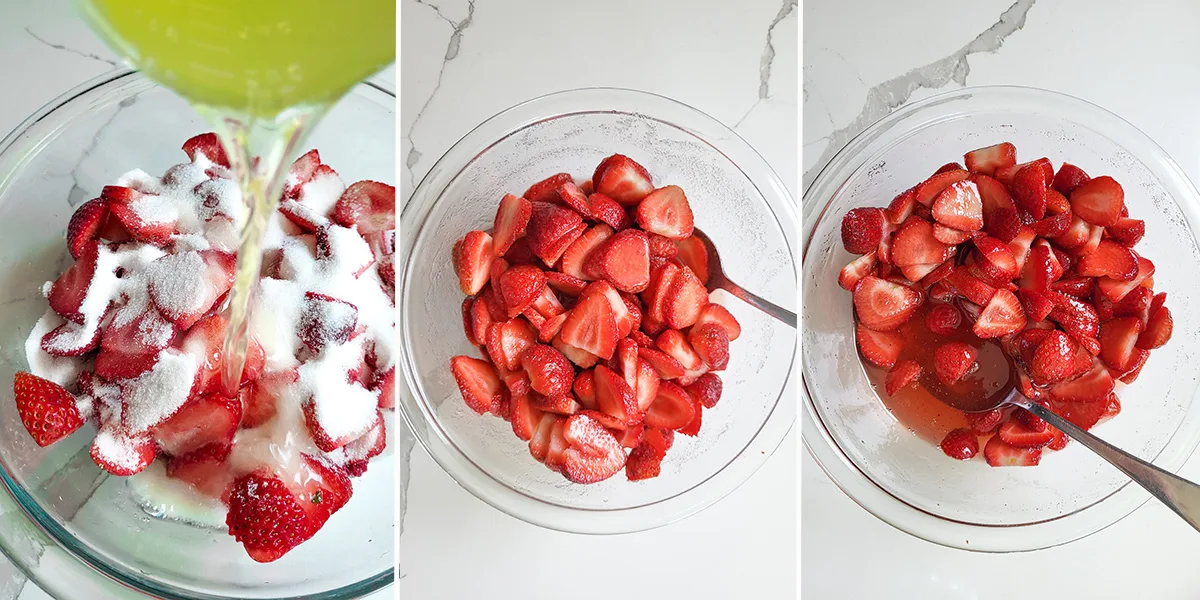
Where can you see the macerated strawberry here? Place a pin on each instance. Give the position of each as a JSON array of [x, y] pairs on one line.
[[1158, 329], [519, 287], [1092, 386], [880, 347], [712, 344], [48, 412], [953, 360], [673, 408], [997, 255], [472, 258], [202, 420], [575, 199], [1003, 314], [984, 423], [928, 190], [1003, 224], [1127, 232], [960, 444], [511, 219], [948, 236], [549, 225], [1110, 259], [593, 453], [1029, 186], [959, 207], [615, 398], [546, 190], [1116, 289], [477, 381], [666, 211], [904, 373], [685, 299], [883, 305], [1018, 435], [68, 292], [901, 207], [970, 287], [1054, 358], [550, 373], [1118, 340], [715, 313], [622, 179], [943, 319], [1053, 226], [120, 453], [1037, 304], [862, 229], [694, 255], [623, 259], [986, 160], [1068, 178], [998, 453], [914, 244], [1098, 201], [608, 211]]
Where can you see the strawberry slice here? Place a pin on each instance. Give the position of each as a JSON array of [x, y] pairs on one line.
[[970, 287], [666, 211], [1053, 360], [48, 412], [564, 283], [131, 343], [511, 219], [562, 404], [719, 315], [259, 396], [551, 230], [904, 373], [1116, 289], [862, 229], [883, 305], [519, 287], [948, 236], [370, 205], [1110, 259], [472, 259], [622, 179], [550, 373], [960, 444], [608, 211], [665, 365], [1038, 305], [1158, 329], [570, 195], [591, 326], [1092, 386], [1001, 454], [593, 454], [694, 255], [185, 286], [685, 299], [525, 418], [1118, 341], [928, 190], [208, 145], [1098, 201], [477, 382], [546, 190], [120, 453], [706, 389], [1003, 224], [993, 195], [1127, 232], [943, 319], [712, 344], [901, 207], [203, 420], [205, 469], [300, 173], [997, 256], [880, 347], [959, 207], [265, 517], [672, 408], [623, 259], [326, 321], [1068, 178], [507, 341], [914, 244], [148, 218], [1083, 414], [85, 225], [575, 261], [1029, 187], [616, 399], [985, 422], [986, 160], [1055, 226], [952, 361], [69, 291], [1002, 315]]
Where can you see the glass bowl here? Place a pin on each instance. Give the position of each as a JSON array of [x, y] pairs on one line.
[[907, 481], [737, 200], [74, 542]]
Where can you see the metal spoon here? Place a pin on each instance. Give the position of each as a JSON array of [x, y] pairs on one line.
[[1179, 494], [718, 280]]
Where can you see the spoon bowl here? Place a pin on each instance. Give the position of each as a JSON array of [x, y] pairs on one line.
[[718, 280]]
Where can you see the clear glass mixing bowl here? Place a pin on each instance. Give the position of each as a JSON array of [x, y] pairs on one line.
[[907, 481], [78, 543], [737, 200]]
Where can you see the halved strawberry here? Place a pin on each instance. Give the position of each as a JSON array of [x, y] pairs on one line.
[[953, 360], [564, 283], [1082, 414], [880, 347], [203, 420], [1056, 203], [901, 207], [131, 343], [1054, 359], [209, 145], [608, 211], [959, 207], [326, 321], [1002, 315], [1092, 386], [1118, 341], [591, 326], [68, 292], [883, 305], [949, 236], [300, 173], [48, 412], [265, 517], [550, 373], [615, 398], [1115, 289], [472, 259], [1110, 259], [551, 230], [858, 268], [574, 198], [664, 364], [672, 408], [715, 313], [1076, 317], [914, 244], [148, 218], [1098, 201], [1158, 329], [862, 229], [928, 190], [120, 453], [507, 341], [575, 257], [712, 344], [1127, 232], [511, 219], [1029, 187], [685, 299], [546, 190], [904, 373], [987, 160], [85, 225], [477, 381], [943, 319], [1068, 178], [524, 417], [960, 444], [519, 286], [370, 205], [666, 211], [993, 195], [622, 179], [623, 259], [998, 453], [593, 454]]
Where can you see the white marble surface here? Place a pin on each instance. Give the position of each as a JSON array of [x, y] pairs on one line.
[[464, 61], [47, 51], [863, 58]]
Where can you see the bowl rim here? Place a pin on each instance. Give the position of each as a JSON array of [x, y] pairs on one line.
[[488, 133], [843, 471], [51, 531]]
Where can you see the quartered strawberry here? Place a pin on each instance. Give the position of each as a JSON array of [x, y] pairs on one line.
[[477, 381], [1002, 315], [1127, 232], [146, 217], [120, 453], [370, 205], [85, 225], [68, 292], [608, 211], [1068, 178], [575, 258], [953, 360], [1053, 226], [694, 255], [519, 287], [511, 219], [901, 207], [970, 287], [550, 373], [672, 409], [997, 255], [1003, 224], [712, 344], [715, 313], [131, 343], [565, 284], [665, 365], [1092, 386], [546, 190], [914, 244], [948, 236], [592, 325], [203, 420], [984, 423], [1029, 190], [904, 373], [666, 211], [593, 453], [326, 321], [1098, 201], [47, 411], [993, 195], [622, 179], [950, 166], [507, 342], [1037, 304], [959, 207], [623, 259], [987, 160], [1083, 414], [1158, 329], [615, 398], [858, 268], [862, 229], [1110, 259], [1118, 341], [1054, 359], [883, 305], [562, 404], [880, 347], [960, 444], [70, 339], [472, 259], [1076, 317], [1116, 289], [186, 285], [998, 453], [209, 145], [551, 230], [570, 195], [300, 173], [928, 190], [663, 247]]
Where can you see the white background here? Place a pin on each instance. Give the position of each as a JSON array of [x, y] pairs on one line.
[[1140, 60], [462, 65]]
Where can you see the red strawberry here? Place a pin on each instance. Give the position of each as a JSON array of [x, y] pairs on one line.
[[1003, 314], [997, 255], [186, 285], [551, 230], [949, 236], [953, 360], [984, 423], [606, 210], [623, 260], [1068, 178], [1000, 454], [663, 247], [928, 190], [1025, 344], [615, 398], [300, 173], [1110, 259], [987, 160], [477, 381], [565, 284], [1052, 227], [370, 205], [570, 195], [706, 389], [622, 179], [85, 225], [685, 299], [209, 145], [1092, 386], [562, 404], [1029, 190], [472, 258], [693, 426], [68, 292], [47, 411], [1038, 305], [507, 341], [960, 444], [546, 190], [858, 268], [666, 211], [1127, 232], [1056, 203], [675, 344], [712, 344], [664, 364], [1053, 360], [146, 217], [904, 373], [1118, 340], [592, 326], [1003, 224], [121, 454], [1158, 329], [943, 319], [914, 244], [970, 287], [70, 339], [205, 469], [550, 374], [266, 517], [643, 463], [880, 347], [883, 305], [951, 166], [672, 409], [993, 195], [131, 344], [593, 453], [862, 228], [1077, 318], [525, 418], [1115, 289], [1082, 414], [511, 220], [326, 321], [519, 286], [203, 420], [259, 396], [694, 255], [575, 258], [959, 207], [1098, 201], [901, 207], [715, 313]]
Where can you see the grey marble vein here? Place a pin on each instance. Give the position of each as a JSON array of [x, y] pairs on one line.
[[889, 95], [404, 455], [452, 46], [108, 61], [78, 195], [768, 59]]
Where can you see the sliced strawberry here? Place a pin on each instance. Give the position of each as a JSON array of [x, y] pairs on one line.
[[949, 236], [477, 381], [712, 344], [593, 453], [953, 360], [550, 373], [1038, 305], [209, 145], [549, 226], [1098, 201], [622, 179], [592, 326], [883, 305], [47, 411], [1082, 414], [943, 319], [185, 286], [148, 218], [623, 259], [672, 409], [706, 390], [685, 299], [663, 247], [1118, 341], [68, 292], [1127, 232], [950, 166], [665, 365], [715, 313], [507, 342], [1053, 360], [987, 160], [524, 417], [880, 347], [615, 398], [1158, 329], [546, 190], [928, 190], [562, 404], [472, 258], [993, 195], [1092, 386], [608, 211], [266, 517], [574, 198], [901, 207], [970, 287], [1056, 203], [674, 344], [326, 321], [960, 444], [1029, 190], [1053, 226], [666, 211], [997, 255], [120, 453], [985, 422], [1115, 289], [259, 397], [203, 420], [1077, 318], [904, 373], [511, 219], [1110, 259], [205, 469], [131, 343], [694, 255], [959, 207], [300, 173], [565, 284], [519, 287], [1021, 244], [370, 205], [1002, 315], [1068, 178], [85, 225], [914, 244], [1003, 224], [858, 268], [575, 257], [862, 229]]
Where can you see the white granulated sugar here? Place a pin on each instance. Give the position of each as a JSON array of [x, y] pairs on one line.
[[343, 409], [219, 197], [46, 287], [329, 318], [171, 498], [141, 181], [348, 251], [107, 396], [154, 331], [63, 370], [73, 336], [115, 448], [221, 234], [156, 394], [190, 242], [299, 258], [176, 281], [152, 208], [276, 328], [322, 193]]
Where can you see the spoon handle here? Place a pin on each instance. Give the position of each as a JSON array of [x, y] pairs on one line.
[[1179, 494], [784, 315]]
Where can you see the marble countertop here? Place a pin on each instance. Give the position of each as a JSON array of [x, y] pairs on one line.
[[464, 61], [1141, 62]]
